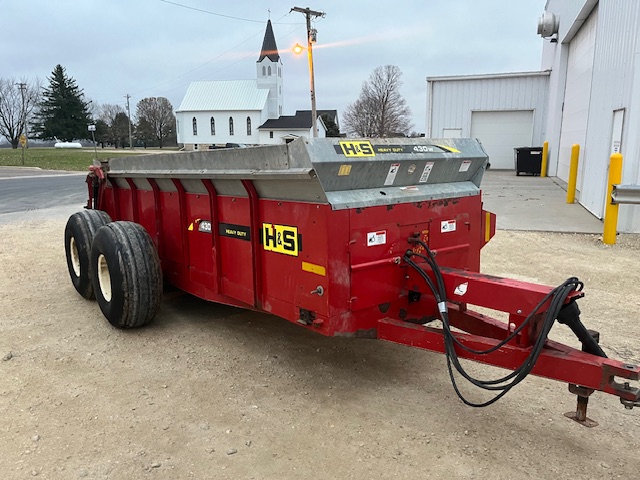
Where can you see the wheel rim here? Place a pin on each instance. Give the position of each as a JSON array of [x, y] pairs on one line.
[[104, 278], [75, 256]]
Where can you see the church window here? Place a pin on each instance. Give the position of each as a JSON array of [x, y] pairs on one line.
[[270, 134], [230, 125], [195, 126], [264, 70], [249, 126], [279, 72], [213, 126], [269, 70]]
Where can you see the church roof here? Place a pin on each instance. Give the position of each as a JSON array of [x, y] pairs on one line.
[[224, 95], [269, 47], [301, 120]]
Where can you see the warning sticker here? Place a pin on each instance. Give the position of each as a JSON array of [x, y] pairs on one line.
[[461, 289], [465, 165], [448, 226], [376, 238], [391, 176], [426, 172]]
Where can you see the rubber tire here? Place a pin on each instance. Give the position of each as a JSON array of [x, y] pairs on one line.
[[78, 237], [131, 289]]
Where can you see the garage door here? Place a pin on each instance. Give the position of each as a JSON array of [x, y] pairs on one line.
[[502, 131], [576, 101]]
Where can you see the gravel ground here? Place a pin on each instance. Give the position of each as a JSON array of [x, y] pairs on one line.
[[209, 391]]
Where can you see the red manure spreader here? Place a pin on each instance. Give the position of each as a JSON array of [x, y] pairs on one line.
[[363, 238]]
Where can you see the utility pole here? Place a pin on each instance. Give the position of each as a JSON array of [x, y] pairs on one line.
[[23, 130], [311, 38], [127, 96]]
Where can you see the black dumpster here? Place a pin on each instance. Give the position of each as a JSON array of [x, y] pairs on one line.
[[528, 160]]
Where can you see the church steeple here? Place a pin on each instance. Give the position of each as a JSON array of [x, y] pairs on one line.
[[269, 72], [269, 47]]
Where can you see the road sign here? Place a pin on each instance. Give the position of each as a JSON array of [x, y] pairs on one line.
[[92, 128], [23, 141]]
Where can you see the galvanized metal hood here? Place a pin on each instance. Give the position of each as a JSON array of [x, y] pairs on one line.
[[344, 173]]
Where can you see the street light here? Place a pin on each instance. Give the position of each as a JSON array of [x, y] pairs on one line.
[[311, 39], [297, 49]]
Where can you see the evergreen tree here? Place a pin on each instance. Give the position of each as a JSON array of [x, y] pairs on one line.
[[120, 130], [102, 132], [63, 111]]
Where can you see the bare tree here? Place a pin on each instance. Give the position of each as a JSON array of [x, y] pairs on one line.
[[107, 113], [156, 121], [380, 110], [17, 103], [94, 110]]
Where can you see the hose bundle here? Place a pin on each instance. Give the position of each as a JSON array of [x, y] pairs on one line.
[[502, 385]]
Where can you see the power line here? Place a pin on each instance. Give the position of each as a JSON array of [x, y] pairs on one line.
[[216, 58], [134, 94], [199, 66], [212, 13]]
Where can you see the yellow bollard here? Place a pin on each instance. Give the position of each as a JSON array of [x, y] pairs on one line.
[[543, 166], [610, 209], [573, 174]]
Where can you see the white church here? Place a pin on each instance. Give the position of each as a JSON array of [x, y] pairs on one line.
[[244, 112]]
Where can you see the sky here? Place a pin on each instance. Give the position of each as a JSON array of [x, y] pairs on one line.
[[148, 48]]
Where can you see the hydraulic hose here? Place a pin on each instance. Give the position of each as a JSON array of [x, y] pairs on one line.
[[557, 298]]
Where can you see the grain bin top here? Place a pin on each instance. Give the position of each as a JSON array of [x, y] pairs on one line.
[[344, 173]]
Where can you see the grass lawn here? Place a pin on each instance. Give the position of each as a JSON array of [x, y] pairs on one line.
[[56, 158]]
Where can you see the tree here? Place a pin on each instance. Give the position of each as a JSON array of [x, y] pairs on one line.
[[17, 103], [380, 110], [156, 121], [107, 112], [102, 133], [120, 130], [63, 111], [107, 117]]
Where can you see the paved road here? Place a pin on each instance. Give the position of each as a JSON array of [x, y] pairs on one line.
[[28, 193], [520, 203]]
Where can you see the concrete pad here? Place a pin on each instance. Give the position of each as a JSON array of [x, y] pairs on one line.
[[533, 203]]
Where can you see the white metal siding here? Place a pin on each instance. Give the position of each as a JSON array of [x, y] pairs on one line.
[[612, 89], [452, 101], [500, 132], [577, 96]]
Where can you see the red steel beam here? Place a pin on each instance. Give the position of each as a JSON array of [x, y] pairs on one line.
[[557, 361]]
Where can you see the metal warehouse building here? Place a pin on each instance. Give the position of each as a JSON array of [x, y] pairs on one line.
[[587, 92]]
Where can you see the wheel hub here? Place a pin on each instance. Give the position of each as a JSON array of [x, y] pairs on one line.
[[104, 278], [75, 256]]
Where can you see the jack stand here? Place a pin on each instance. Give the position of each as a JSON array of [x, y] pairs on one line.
[[580, 415]]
